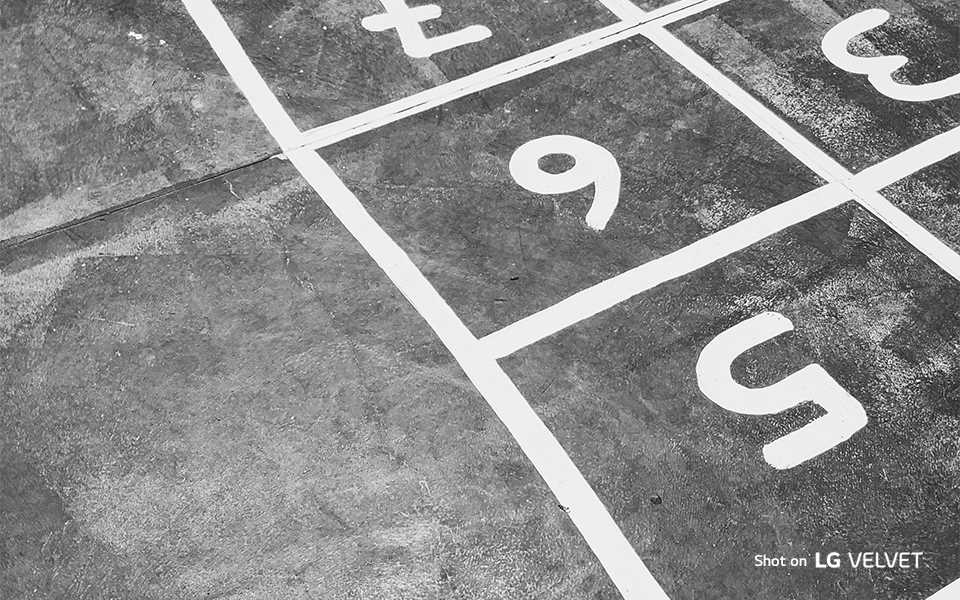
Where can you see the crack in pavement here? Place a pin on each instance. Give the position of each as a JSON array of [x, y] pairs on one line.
[[21, 240]]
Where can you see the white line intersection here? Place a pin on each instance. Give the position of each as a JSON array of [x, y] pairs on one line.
[[478, 358]]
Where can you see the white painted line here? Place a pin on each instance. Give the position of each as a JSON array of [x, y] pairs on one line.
[[624, 9], [909, 229], [613, 291], [588, 513], [332, 133], [951, 592], [807, 152], [677, 11], [870, 181], [613, 550], [863, 187], [510, 70], [909, 161]]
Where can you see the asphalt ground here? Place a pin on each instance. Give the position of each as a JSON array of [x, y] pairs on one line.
[[323, 65], [684, 477], [440, 185], [104, 102], [242, 406], [772, 49], [211, 391]]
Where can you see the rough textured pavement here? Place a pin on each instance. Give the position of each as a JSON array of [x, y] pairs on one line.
[[218, 397], [208, 390], [685, 476], [104, 102]]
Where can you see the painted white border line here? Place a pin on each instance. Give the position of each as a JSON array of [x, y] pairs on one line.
[[951, 592], [261, 99], [681, 9], [336, 131], [586, 510], [604, 537], [807, 152], [624, 9], [908, 162], [331, 133], [608, 293]]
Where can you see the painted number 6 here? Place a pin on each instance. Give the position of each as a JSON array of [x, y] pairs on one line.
[[880, 69], [594, 165]]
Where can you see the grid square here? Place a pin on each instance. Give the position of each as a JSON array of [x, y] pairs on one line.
[[685, 479], [440, 185], [773, 50], [324, 65]]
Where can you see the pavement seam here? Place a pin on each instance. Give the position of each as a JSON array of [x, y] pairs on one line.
[[21, 240]]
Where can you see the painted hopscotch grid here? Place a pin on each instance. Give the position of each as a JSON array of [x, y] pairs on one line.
[[478, 358], [331, 133]]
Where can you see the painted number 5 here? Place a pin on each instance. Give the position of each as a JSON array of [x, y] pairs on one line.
[[594, 165], [844, 415], [880, 69]]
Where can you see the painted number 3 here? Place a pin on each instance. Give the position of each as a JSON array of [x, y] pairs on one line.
[[594, 165], [880, 69]]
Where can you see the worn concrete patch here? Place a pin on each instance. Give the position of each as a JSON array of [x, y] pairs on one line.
[[773, 50], [240, 404]]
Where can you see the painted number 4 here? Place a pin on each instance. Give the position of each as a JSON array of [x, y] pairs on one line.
[[880, 69], [844, 415]]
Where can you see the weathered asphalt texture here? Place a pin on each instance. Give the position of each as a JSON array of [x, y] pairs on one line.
[[105, 101], [323, 65], [772, 48], [685, 478], [439, 183], [932, 197], [214, 393], [221, 396]]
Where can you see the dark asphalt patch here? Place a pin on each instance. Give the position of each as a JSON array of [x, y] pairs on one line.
[[43, 552], [620, 393], [772, 49]]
